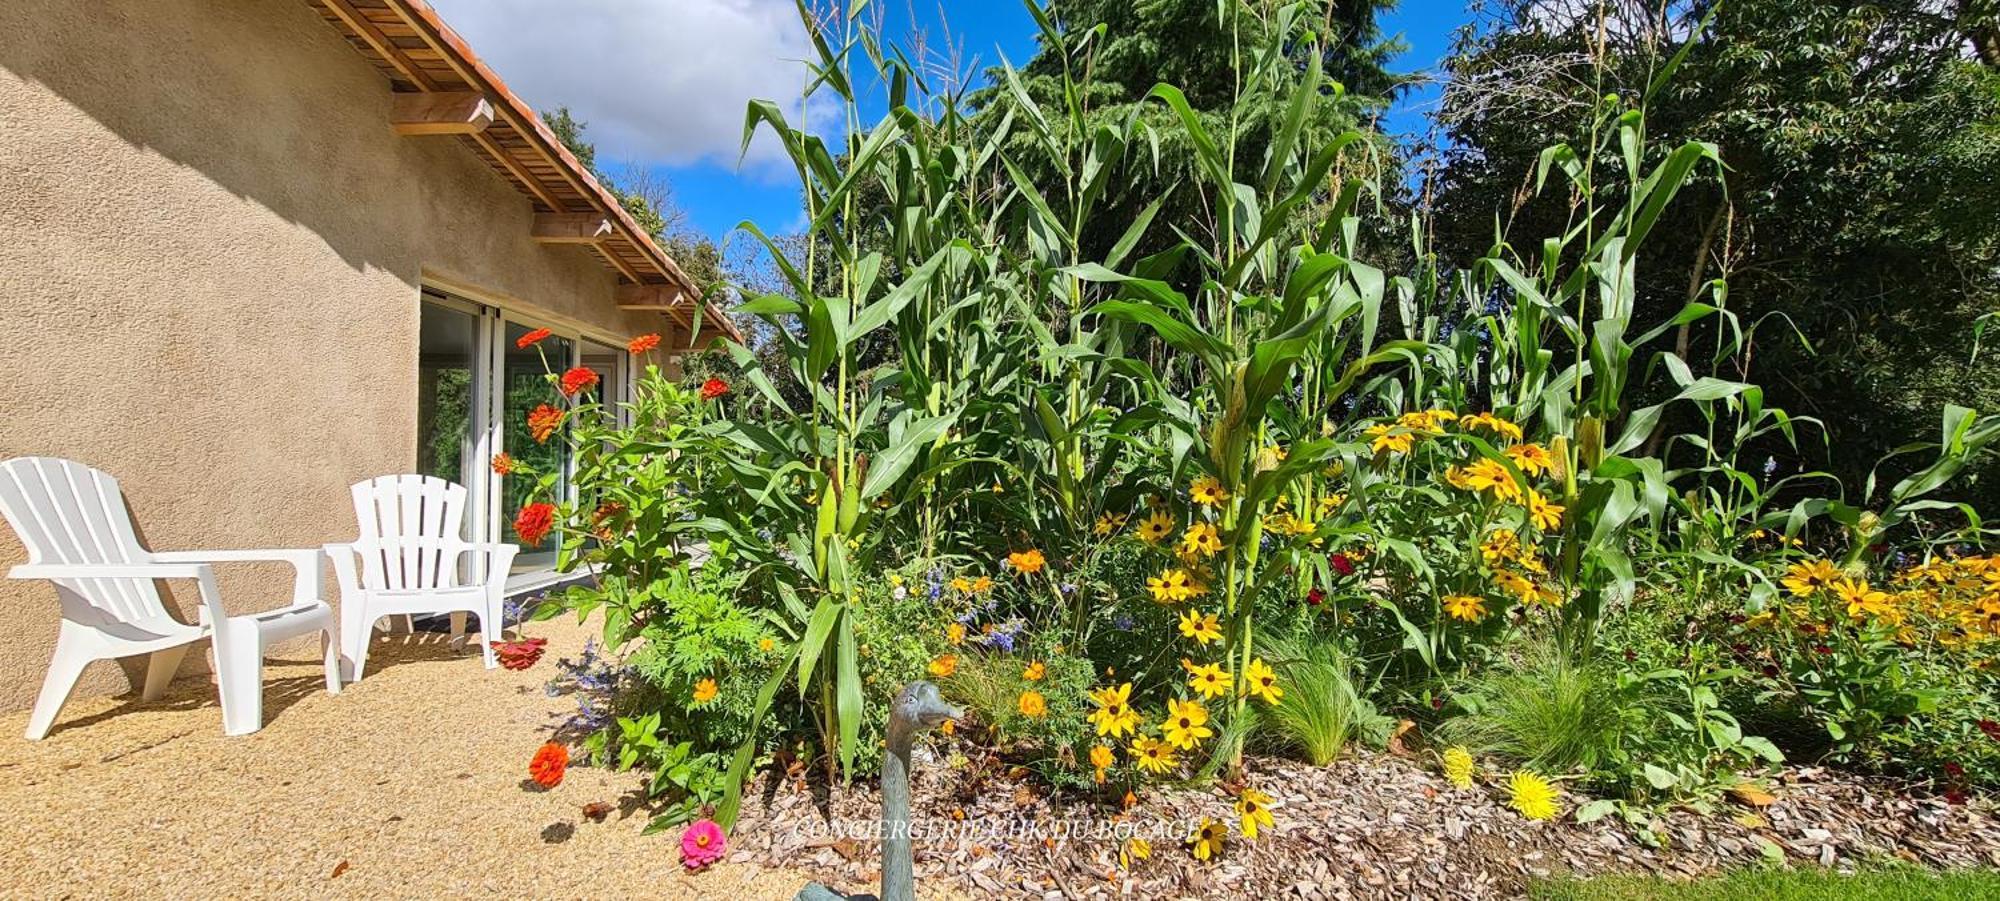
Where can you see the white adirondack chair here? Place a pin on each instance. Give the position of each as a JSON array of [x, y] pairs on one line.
[[79, 535], [410, 552]]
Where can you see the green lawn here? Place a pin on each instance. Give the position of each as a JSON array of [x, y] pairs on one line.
[[1782, 885]]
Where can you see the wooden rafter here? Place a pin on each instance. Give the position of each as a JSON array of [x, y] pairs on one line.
[[526, 178], [381, 44], [604, 250]]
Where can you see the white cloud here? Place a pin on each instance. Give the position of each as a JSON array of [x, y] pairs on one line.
[[657, 81]]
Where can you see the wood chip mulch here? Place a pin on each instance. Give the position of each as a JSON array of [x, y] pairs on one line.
[[1374, 825]]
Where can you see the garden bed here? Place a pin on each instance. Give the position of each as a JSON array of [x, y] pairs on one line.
[[1373, 825]]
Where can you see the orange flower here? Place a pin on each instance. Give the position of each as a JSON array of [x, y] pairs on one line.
[[1027, 562], [543, 422], [548, 765], [643, 343], [578, 378], [531, 339], [504, 465], [534, 521], [714, 388]]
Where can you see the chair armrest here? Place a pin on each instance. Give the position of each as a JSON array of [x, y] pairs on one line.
[[110, 571], [499, 558], [305, 563], [203, 575]]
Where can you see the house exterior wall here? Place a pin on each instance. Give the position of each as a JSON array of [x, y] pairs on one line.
[[211, 245]]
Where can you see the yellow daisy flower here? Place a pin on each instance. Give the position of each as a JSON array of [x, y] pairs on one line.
[[1152, 755], [1202, 627], [1201, 538], [1207, 839], [1186, 724], [1208, 679], [1254, 807], [1546, 516], [1208, 492], [1262, 682], [1465, 607], [1806, 579], [1532, 459], [955, 633], [1155, 527], [1171, 587], [944, 666], [1114, 715]]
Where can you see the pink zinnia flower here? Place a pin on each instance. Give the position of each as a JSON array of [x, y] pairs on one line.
[[702, 844]]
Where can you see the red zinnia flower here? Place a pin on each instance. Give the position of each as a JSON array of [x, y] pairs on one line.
[[531, 339], [578, 378], [1315, 597], [1991, 728], [534, 521], [548, 764], [643, 343], [1954, 772], [504, 465], [714, 388], [1341, 564], [543, 421], [519, 655]]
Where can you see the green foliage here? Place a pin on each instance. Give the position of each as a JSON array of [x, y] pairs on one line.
[[1010, 404], [1544, 711], [1855, 227], [1324, 707], [1910, 884]]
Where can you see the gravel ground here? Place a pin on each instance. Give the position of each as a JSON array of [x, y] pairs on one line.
[[409, 784]]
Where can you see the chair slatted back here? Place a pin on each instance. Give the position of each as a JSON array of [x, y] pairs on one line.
[[407, 521], [66, 512]]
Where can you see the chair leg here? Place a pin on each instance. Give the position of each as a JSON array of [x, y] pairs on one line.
[[330, 647], [487, 635], [64, 669], [239, 678], [458, 628], [160, 670]]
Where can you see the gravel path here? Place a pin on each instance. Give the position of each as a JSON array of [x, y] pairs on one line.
[[410, 784]]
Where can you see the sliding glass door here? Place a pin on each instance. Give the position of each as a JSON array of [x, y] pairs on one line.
[[476, 389], [525, 383]]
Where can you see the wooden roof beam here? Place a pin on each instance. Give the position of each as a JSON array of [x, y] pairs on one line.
[[571, 228], [441, 113], [650, 297]]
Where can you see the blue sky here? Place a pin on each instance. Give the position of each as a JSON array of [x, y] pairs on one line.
[[664, 85]]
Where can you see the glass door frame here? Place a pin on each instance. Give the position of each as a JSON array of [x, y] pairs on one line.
[[485, 519]]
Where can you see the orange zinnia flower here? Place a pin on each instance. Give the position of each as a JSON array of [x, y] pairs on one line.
[[504, 465], [534, 522], [543, 421], [548, 764], [531, 339], [643, 343], [714, 388], [578, 378]]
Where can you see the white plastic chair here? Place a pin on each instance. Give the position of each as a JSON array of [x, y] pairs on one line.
[[79, 535], [410, 550]]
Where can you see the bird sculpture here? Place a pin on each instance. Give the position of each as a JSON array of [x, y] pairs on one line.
[[917, 707]]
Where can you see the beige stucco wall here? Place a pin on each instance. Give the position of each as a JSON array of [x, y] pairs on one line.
[[211, 244]]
